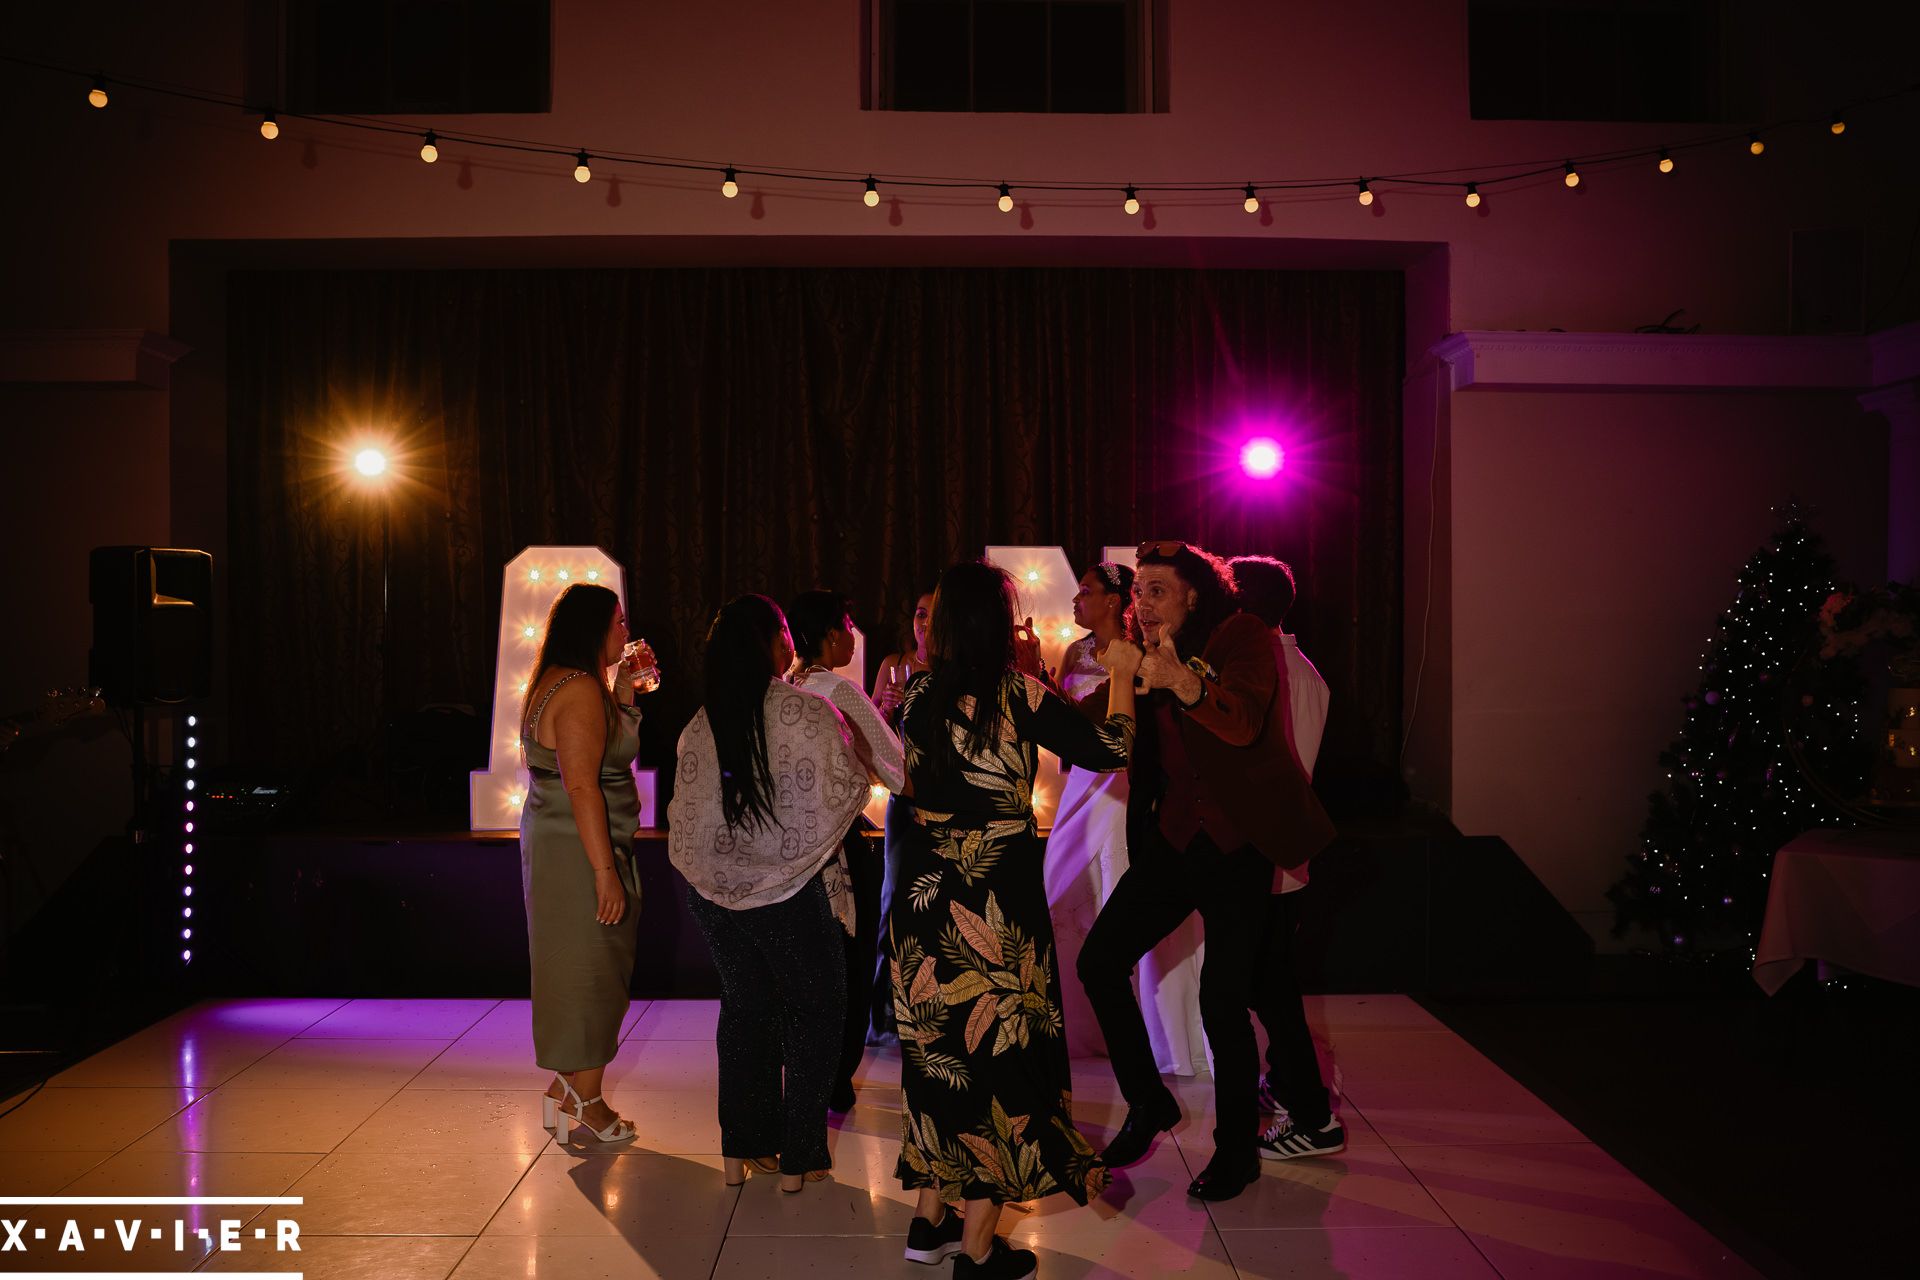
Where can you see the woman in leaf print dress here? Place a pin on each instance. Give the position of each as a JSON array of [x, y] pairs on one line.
[[986, 1116]]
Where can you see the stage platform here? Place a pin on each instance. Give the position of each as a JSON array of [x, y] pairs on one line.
[[410, 1131], [1396, 905]]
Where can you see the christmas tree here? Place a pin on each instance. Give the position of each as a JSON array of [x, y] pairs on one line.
[[1736, 790]]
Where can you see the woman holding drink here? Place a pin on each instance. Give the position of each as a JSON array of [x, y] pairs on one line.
[[579, 733]]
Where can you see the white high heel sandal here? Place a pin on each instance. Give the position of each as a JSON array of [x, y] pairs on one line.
[[559, 1119]]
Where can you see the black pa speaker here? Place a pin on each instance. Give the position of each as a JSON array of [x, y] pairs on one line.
[[152, 624]]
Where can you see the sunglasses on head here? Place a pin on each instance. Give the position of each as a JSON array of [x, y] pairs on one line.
[[1160, 550]]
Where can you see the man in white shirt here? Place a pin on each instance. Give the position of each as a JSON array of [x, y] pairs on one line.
[[1293, 1084]]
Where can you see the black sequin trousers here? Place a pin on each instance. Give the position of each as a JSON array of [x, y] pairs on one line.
[[783, 992]]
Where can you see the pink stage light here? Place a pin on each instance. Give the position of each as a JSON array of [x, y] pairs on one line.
[[1262, 458]]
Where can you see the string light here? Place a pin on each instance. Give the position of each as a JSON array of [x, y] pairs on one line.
[[1473, 195], [1835, 121], [872, 196], [1132, 202], [728, 187], [1006, 198]]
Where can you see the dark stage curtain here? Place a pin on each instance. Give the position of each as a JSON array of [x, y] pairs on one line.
[[728, 430]]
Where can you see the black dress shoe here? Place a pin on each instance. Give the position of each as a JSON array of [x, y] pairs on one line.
[[1225, 1176], [1136, 1135]]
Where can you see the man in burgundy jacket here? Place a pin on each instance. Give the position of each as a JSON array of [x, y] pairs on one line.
[[1218, 800]]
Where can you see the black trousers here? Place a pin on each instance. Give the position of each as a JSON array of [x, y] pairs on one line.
[[881, 971], [782, 983], [1293, 1070], [866, 865], [1161, 887]]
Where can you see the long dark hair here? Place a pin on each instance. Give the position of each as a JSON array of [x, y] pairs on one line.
[[576, 629], [1209, 576], [970, 643], [739, 662], [811, 616]]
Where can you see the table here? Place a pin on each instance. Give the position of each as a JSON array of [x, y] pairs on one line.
[[1847, 897]]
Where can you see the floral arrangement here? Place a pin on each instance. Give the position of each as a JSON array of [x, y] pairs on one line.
[[1854, 618]]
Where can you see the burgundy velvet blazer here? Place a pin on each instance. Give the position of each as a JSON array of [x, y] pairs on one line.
[[1236, 738]]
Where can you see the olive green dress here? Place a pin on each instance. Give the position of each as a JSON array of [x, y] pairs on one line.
[[582, 969]]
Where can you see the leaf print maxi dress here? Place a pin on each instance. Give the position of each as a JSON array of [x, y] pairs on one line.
[[987, 1109]]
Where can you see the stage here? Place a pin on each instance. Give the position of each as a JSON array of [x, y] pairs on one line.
[[409, 1129], [1399, 904]]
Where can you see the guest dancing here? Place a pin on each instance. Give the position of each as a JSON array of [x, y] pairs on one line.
[[1293, 1088], [1087, 855], [766, 784], [1217, 801], [579, 737], [823, 640], [889, 692], [984, 1070]]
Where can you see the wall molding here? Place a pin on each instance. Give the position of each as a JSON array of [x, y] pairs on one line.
[[113, 357], [1495, 360]]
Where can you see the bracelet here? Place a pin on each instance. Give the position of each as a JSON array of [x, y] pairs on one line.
[[608, 867]]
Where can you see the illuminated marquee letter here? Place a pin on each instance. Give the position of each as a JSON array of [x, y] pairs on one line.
[[1047, 584], [533, 579]]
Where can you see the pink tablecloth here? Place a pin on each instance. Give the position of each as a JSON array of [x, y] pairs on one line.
[[1847, 897]]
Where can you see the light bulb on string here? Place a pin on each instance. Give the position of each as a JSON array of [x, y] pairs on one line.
[[728, 187], [1838, 125], [97, 96], [430, 147], [1473, 195], [1252, 203], [269, 127], [1366, 194], [1573, 175], [1006, 198], [1132, 202], [1666, 161], [872, 197], [582, 169], [1754, 145]]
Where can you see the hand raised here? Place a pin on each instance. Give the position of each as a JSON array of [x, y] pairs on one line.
[[1160, 667], [1121, 658], [1026, 649]]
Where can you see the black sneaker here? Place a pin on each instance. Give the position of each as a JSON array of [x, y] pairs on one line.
[[934, 1244], [1004, 1263], [1289, 1142]]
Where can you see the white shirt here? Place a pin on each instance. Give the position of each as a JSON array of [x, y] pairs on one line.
[[1307, 698], [873, 740]]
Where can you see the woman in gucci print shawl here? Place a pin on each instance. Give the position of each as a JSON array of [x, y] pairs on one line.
[[765, 787]]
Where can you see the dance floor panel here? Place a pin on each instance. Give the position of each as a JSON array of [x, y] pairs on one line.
[[410, 1129]]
